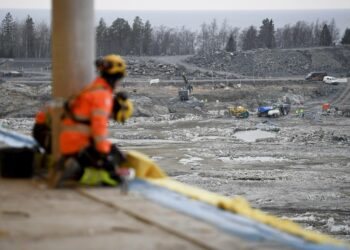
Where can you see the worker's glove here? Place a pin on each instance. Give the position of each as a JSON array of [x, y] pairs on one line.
[[110, 161], [90, 157], [117, 155], [122, 107], [104, 161]]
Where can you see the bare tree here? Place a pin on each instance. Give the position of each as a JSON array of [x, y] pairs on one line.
[[43, 39], [284, 37], [203, 39], [302, 35], [187, 39], [162, 41], [333, 30], [224, 34]]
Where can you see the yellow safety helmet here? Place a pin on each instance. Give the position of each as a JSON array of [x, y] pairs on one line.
[[122, 107], [112, 65]]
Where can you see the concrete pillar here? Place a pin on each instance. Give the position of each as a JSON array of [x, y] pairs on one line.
[[73, 51]]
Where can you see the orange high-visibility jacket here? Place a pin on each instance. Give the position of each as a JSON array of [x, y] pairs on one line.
[[93, 104]]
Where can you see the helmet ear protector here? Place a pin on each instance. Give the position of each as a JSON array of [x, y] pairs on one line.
[[122, 107], [102, 65]]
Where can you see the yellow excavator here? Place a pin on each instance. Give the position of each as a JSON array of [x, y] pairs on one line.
[[238, 111]]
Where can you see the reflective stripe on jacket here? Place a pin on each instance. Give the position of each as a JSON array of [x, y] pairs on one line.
[[93, 104]]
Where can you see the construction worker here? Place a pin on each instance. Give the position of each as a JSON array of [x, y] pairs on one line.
[[87, 154]]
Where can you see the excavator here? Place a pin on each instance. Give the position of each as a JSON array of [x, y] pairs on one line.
[[185, 92]]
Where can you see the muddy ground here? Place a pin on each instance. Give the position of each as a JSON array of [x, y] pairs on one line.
[[297, 168]]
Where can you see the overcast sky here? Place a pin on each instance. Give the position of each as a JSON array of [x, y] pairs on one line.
[[190, 4]]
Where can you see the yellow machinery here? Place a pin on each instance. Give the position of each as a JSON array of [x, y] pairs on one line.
[[239, 112]]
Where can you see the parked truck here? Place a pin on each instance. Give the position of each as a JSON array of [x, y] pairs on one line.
[[316, 76]]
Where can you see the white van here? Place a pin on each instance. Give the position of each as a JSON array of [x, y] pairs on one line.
[[333, 80]]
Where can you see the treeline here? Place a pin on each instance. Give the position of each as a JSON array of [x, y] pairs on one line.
[[27, 39], [141, 38], [301, 34], [24, 39]]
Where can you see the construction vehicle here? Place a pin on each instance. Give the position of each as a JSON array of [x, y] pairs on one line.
[[333, 80], [284, 108], [276, 110], [316, 76], [268, 111], [238, 112], [185, 92]]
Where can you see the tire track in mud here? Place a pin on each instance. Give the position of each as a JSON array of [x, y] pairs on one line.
[[343, 98], [181, 60]]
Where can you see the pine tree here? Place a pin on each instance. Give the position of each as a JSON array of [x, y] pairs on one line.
[[231, 44], [29, 38], [325, 37], [267, 34], [346, 37], [137, 36], [147, 38], [7, 36], [250, 39], [119, 37], [101, 38]]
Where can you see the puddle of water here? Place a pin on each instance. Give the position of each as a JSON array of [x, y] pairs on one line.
[[253, 135]]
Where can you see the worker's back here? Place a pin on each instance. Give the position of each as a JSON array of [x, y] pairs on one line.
[[91, 109]]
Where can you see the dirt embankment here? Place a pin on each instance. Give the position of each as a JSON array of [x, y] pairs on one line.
[[168, 68], [278, 62], [23, 100]]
